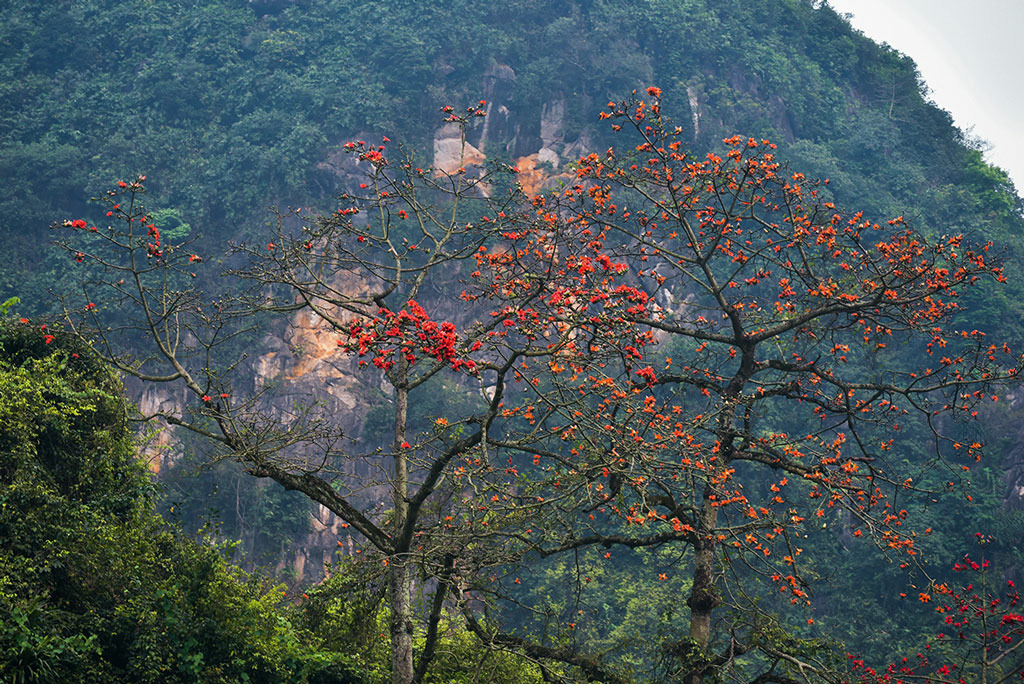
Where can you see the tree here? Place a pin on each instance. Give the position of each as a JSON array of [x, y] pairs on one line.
[[739, 364], [364, 280], [982, 630], [703, 354]]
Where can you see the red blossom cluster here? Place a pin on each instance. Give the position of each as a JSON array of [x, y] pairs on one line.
[[79, 224], [132, 214], [371, 153], [410, 334], [47, 337], [153, 249]]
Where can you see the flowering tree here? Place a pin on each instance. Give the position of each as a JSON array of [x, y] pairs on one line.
[[368, 272], [734, 362], [702, 354]]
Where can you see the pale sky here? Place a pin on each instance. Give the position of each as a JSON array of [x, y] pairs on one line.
[[971, 55]]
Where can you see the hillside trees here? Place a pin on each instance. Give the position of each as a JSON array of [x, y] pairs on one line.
[[234, 106], [94, 587], [669, 353]]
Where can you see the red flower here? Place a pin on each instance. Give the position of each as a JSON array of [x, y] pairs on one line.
[[647, 374], [654, 92]]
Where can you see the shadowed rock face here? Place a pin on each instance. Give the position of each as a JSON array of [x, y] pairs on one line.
[[1010, 427]]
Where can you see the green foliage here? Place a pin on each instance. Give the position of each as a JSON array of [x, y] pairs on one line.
[[259, 516], [171, 224], [64, 423], [93, 586], [626, 604]]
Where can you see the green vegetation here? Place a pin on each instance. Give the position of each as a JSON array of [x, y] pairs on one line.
[[350, 613], [94, 587]]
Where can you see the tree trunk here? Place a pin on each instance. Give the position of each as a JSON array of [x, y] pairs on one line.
[[703, 599], [401, 621], [399, 578]]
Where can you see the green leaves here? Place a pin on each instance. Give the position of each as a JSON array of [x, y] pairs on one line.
[[93, 586]]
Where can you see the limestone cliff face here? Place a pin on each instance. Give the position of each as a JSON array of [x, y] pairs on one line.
[[452, 153], [536, 142], [535, 176], [304, 360], [297, 363], [159, 445]]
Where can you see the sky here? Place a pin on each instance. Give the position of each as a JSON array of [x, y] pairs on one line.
[[971, 55]]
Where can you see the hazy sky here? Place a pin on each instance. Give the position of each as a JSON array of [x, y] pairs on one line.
[[971, 55]]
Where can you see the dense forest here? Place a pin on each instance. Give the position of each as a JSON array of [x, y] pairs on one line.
[[670, 340]]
